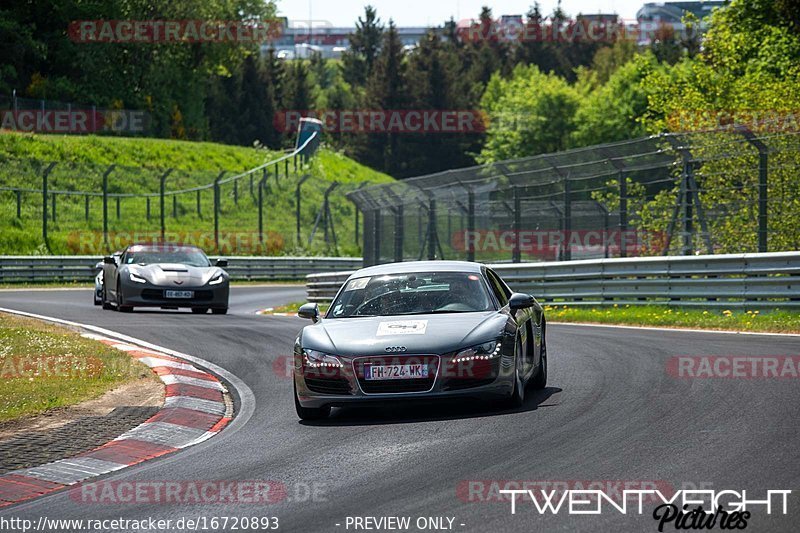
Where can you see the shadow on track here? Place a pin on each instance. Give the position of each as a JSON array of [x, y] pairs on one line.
[[421, 411]]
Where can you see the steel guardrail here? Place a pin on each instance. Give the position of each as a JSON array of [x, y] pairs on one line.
[[68, 269], [757, 280]]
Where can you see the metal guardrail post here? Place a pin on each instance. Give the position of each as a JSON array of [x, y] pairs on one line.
[[763, 160]]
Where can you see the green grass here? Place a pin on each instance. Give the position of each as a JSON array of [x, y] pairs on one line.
[[779, 321], [43, 366], [294, 306], [82, 161]]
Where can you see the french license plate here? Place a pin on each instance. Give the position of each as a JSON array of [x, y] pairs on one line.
[[375, 372], [179, 294]]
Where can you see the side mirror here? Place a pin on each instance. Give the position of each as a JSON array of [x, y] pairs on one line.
[[108, 260], [520, 300], [222, 263], [310, 311]]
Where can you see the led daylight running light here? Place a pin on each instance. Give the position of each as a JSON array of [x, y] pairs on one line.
[[314, 359], [472, 354]]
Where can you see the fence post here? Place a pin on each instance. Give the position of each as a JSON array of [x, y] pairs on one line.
[[19, 203], [286, 168], [567, 226], [199, 210], [433, 236], [86, 207], [236, 192], [53, 200], [763, 155], [517, 225], [148, 208], [623, 215], [118, 211], [376, 236], [398, 233], [108, 171], [45, 175], [217, 209], [470, 225], [326, 211], [297, 203], [174, 206], [162, 190], [261, 185]]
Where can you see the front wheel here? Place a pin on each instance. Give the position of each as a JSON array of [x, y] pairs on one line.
[[104, 300], [539, 381], [120, 304], [310, 413], [517, 397]]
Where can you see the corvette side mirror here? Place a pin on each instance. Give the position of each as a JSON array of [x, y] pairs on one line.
[[222, 263], [520, 300], [310, 311], [108, 260]]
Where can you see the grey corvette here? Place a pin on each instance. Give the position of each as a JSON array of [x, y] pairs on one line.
[[419, 330], [166, 276]]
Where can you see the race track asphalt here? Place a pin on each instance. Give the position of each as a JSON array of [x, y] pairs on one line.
[[611, 412]]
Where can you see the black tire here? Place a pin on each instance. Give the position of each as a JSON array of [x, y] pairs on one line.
[[199, 310], [310, 413], [539, 381], [120, 304], [104, 300], [517, 397], [222, 311], [97, 301]]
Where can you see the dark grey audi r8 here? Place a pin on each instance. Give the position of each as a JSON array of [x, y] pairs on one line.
[[419, 330], [167, 276]]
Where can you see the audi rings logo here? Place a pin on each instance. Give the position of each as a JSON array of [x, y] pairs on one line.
[[395, 349]]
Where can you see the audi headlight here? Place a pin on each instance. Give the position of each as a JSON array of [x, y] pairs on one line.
[[216, 280], [487, 350], [137, 278], [315, 359]]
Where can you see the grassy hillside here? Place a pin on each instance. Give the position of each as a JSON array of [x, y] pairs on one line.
[[82, 161]]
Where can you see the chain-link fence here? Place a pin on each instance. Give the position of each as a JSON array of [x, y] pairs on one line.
[[276, 208], [722, 191]]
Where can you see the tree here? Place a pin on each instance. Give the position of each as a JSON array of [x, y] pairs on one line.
[[359, 60], [531, 113], [386, 90], [614, 111]]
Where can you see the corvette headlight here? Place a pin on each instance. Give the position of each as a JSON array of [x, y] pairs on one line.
[[315, 359], [487, 350], [136, 278], [216, 280]]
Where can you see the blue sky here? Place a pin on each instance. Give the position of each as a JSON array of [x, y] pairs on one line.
[[434, 12]]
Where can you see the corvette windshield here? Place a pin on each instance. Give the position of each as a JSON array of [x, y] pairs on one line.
[[411, 294], [181, 256]]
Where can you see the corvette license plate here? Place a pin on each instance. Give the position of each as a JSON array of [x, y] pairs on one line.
[[179, 294], [375, 372]]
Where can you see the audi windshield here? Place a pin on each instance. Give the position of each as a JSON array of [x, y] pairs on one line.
[[412, 294]]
